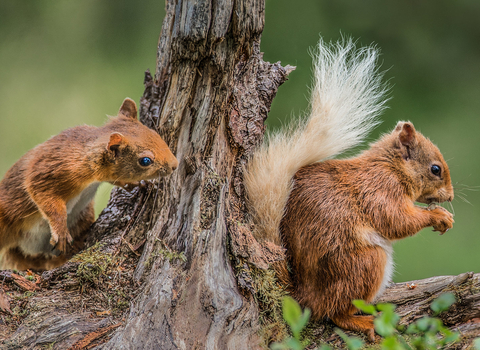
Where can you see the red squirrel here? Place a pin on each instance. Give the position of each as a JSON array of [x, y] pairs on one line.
[[46, 197], [337, 219]]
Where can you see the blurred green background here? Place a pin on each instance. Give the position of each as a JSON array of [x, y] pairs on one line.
[[64, 63]]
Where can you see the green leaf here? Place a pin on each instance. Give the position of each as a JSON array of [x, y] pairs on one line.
[[302, 321], [287, 344], [430, 341], [364, 307], [353, 343], [392, 343], [385, 329], [430, 326], [404, 343], [291, 310], [418, 343], [387, 307], [279, 346], [436, 325], [294, 344], [412, 328], [292, 313], [443, 302], [423, 324], [386, 323], [452, 338], [476, 343]]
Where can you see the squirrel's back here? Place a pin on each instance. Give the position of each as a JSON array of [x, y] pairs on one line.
[[347, 96]]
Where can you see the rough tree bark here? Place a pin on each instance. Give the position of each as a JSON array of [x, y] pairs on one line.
[[208, 99]]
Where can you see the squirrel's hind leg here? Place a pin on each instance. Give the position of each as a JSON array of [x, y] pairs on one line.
[[356, 323], [369, 265]]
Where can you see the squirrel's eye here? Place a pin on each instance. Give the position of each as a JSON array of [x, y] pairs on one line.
[[145, 161], [436, 170]]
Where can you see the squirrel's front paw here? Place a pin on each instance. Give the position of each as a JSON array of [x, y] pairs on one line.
[[53, 239], [60, 242], [443, 220]]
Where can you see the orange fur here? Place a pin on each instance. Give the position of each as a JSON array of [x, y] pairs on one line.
[[46, 197]]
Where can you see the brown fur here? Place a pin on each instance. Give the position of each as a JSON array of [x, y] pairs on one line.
[[342, 215], [38, 189]]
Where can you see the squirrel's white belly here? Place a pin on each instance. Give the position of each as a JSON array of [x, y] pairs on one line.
[[76, 205], [371, 237], [37, 239], [389, 267]]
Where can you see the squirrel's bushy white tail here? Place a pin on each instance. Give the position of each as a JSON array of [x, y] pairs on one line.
[[347, 96]]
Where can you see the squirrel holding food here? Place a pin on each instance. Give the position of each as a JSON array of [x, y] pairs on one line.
[[337, 219], [46, 197]]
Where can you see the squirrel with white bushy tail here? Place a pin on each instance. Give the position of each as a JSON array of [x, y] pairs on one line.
[[337, 219]]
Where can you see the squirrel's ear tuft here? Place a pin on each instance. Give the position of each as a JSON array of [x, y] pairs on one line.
[[407, 133], [115, 142], [128, 109]]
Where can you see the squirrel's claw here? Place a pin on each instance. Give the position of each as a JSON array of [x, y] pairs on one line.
[[53, 239], [59, 244], [370, 335], [441, 232], [132, 185]]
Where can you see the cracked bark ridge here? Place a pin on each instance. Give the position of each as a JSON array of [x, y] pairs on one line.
[[53, 323], [256, 85]]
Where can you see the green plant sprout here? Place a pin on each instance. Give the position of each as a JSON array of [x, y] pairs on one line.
[[427, 333], [296, 320]]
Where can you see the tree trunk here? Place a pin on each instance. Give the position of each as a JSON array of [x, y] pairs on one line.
[[194, 282], [209, 100]]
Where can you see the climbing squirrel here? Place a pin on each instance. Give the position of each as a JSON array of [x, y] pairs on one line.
[[46, 197], [337, 219]]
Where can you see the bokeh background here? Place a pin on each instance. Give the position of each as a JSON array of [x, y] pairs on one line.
[[64, 63]]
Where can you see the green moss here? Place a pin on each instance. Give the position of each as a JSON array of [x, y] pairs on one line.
[[20, 312], [172, 255], [25, 295], [162, 250], [268, 295], [93, 263]]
